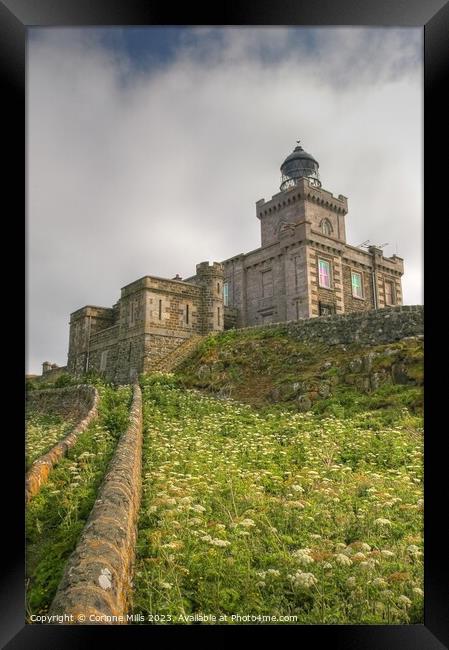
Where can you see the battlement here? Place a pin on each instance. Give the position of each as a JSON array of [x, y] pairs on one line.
[[205, 268]]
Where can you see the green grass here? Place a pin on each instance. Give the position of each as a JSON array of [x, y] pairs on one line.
[[268, 366], [42, 432], [56, 516], [275, 512]]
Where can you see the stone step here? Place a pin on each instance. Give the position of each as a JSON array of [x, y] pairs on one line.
[[174, 358]]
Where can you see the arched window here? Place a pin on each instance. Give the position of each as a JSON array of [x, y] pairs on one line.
[[326, 227]]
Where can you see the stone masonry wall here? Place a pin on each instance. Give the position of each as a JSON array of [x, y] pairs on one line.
[[352, 303], [103, 352], [97, 576], [365, 328], [68, 402], [81, 401]]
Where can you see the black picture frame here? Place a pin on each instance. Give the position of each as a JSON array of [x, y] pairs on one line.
[[15, 17]]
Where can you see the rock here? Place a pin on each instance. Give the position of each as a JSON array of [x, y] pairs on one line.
[[355, 365], [274, 394], [374, 380], [324, 390], [399, 374], [367, 362], [304, 403]]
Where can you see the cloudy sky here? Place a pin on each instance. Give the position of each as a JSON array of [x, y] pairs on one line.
[[148, 148]]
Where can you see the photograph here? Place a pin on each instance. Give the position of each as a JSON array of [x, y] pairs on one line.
[[224, 388]]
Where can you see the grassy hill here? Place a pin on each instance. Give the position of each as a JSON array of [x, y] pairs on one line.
[[267, 366], [296, 493], [280, 479]]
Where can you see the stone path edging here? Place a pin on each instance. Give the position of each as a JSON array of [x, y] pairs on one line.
[[97, 580], [38, 473]]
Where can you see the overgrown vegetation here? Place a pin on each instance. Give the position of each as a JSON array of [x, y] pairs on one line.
[[56, 516], [268, 366], [275, 512], [280, 478], [42, 432]]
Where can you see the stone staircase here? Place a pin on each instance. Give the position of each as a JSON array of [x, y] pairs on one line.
[[174, 358]]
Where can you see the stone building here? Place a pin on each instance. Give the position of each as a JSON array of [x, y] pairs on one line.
[[153, 316], [304, 268]]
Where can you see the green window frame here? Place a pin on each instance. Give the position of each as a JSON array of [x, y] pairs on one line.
[[357, 284], [324, 273], [226, 294]]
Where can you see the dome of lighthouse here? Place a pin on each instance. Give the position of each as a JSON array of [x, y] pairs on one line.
[[299, 164]]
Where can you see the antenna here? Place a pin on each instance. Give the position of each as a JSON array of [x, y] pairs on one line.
[[365, 244]]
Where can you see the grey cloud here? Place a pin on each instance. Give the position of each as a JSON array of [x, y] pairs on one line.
[[150, 172]]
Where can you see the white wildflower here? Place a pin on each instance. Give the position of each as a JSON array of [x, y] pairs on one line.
[[247, 523], [382, 522], [379, 582], [303, 556], [359, 556], [220, 542], [413, 550], [304, 580]]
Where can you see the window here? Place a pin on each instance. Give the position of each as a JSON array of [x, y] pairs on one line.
[[326, 227], [218, 315], [324, 273], [218, 287], [356, 282], [160, 309], [103, 360], [267, 284], [389, 293], [226, 294], [326, 310], [187, 314]]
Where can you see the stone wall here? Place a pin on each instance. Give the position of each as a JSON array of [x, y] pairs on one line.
[[51, 375], [97, 577], [68, 402], [352, 303], [230, 317], [103, 352], [80, 402], [365, 328]]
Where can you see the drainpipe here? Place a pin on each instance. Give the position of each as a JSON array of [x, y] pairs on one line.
[[373, 250], [373, 278]]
